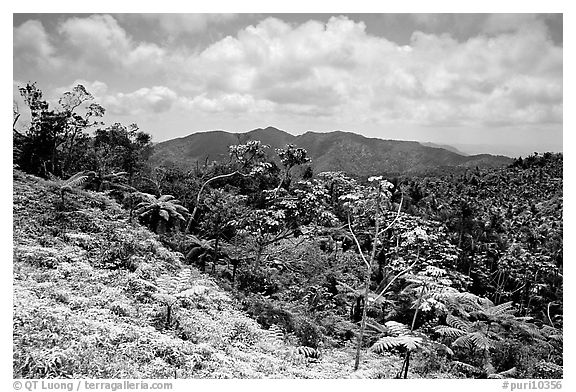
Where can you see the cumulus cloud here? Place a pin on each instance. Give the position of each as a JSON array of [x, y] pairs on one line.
[[146, 100], [227, 103], [99, 41], [32, 46], [339, 69], [510, 72]]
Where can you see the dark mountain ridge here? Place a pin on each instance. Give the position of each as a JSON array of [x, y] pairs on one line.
[[331, 151]]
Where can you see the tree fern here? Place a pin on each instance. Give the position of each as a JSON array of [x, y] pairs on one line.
[[409, 342], [171, 289], [449, 332], [275, 335], [458, 323], [308, 352], [161, 211], [77, 180], [395, 328], [496, 313]]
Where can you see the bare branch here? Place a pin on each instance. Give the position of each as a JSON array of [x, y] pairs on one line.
[[393, 279], [357, 243], [395, 219], [15, 121], [189, 225]]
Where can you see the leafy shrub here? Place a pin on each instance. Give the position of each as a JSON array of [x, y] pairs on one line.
[[267, 313], [307, 332], [257, 280]]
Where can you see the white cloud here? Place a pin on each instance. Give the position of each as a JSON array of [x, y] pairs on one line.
[[338, 69], [32, 46], [98, 41], [97, 37], [510, 73], [230, 103], [146, 100]]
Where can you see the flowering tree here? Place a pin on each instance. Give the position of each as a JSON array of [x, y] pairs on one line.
[[366, 204], [248, 159]]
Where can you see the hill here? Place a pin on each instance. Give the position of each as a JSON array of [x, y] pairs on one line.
[[89, 303], [331, 151]]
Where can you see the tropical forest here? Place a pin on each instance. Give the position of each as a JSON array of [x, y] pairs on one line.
[[266, 262]]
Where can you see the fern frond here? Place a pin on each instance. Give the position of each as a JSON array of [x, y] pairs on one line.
[[79, 179], [500, 310], [183, 278], [308, 352], [530, 330], [450, 332], [389, 342], [164, 215], [458, 323], [113, 176], [166, 285], [558, 338], [480, 341], [143, 207], [463, 342], [396, 328], [181, 209], [179, 217], [275, 335], [342, 285], [165, 198]]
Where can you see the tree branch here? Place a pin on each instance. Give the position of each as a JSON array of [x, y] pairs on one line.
[[393, 279], [395, 218], [15, 121], [192, 216], [356, 241]]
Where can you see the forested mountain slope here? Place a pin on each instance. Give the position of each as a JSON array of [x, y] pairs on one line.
[[332, 151], [508, 224]]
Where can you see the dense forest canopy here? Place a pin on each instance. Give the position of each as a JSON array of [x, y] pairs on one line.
[[460, 271]]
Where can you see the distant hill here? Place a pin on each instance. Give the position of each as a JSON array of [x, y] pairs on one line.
[[332, 151], [444, 146]]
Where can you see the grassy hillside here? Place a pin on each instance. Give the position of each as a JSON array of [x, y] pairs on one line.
[[90, 295]]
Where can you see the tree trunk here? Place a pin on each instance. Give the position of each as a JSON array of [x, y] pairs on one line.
[[215, 258], [367, 283], [363, 322]]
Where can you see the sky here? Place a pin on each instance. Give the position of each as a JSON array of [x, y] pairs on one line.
[[480, 82]]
